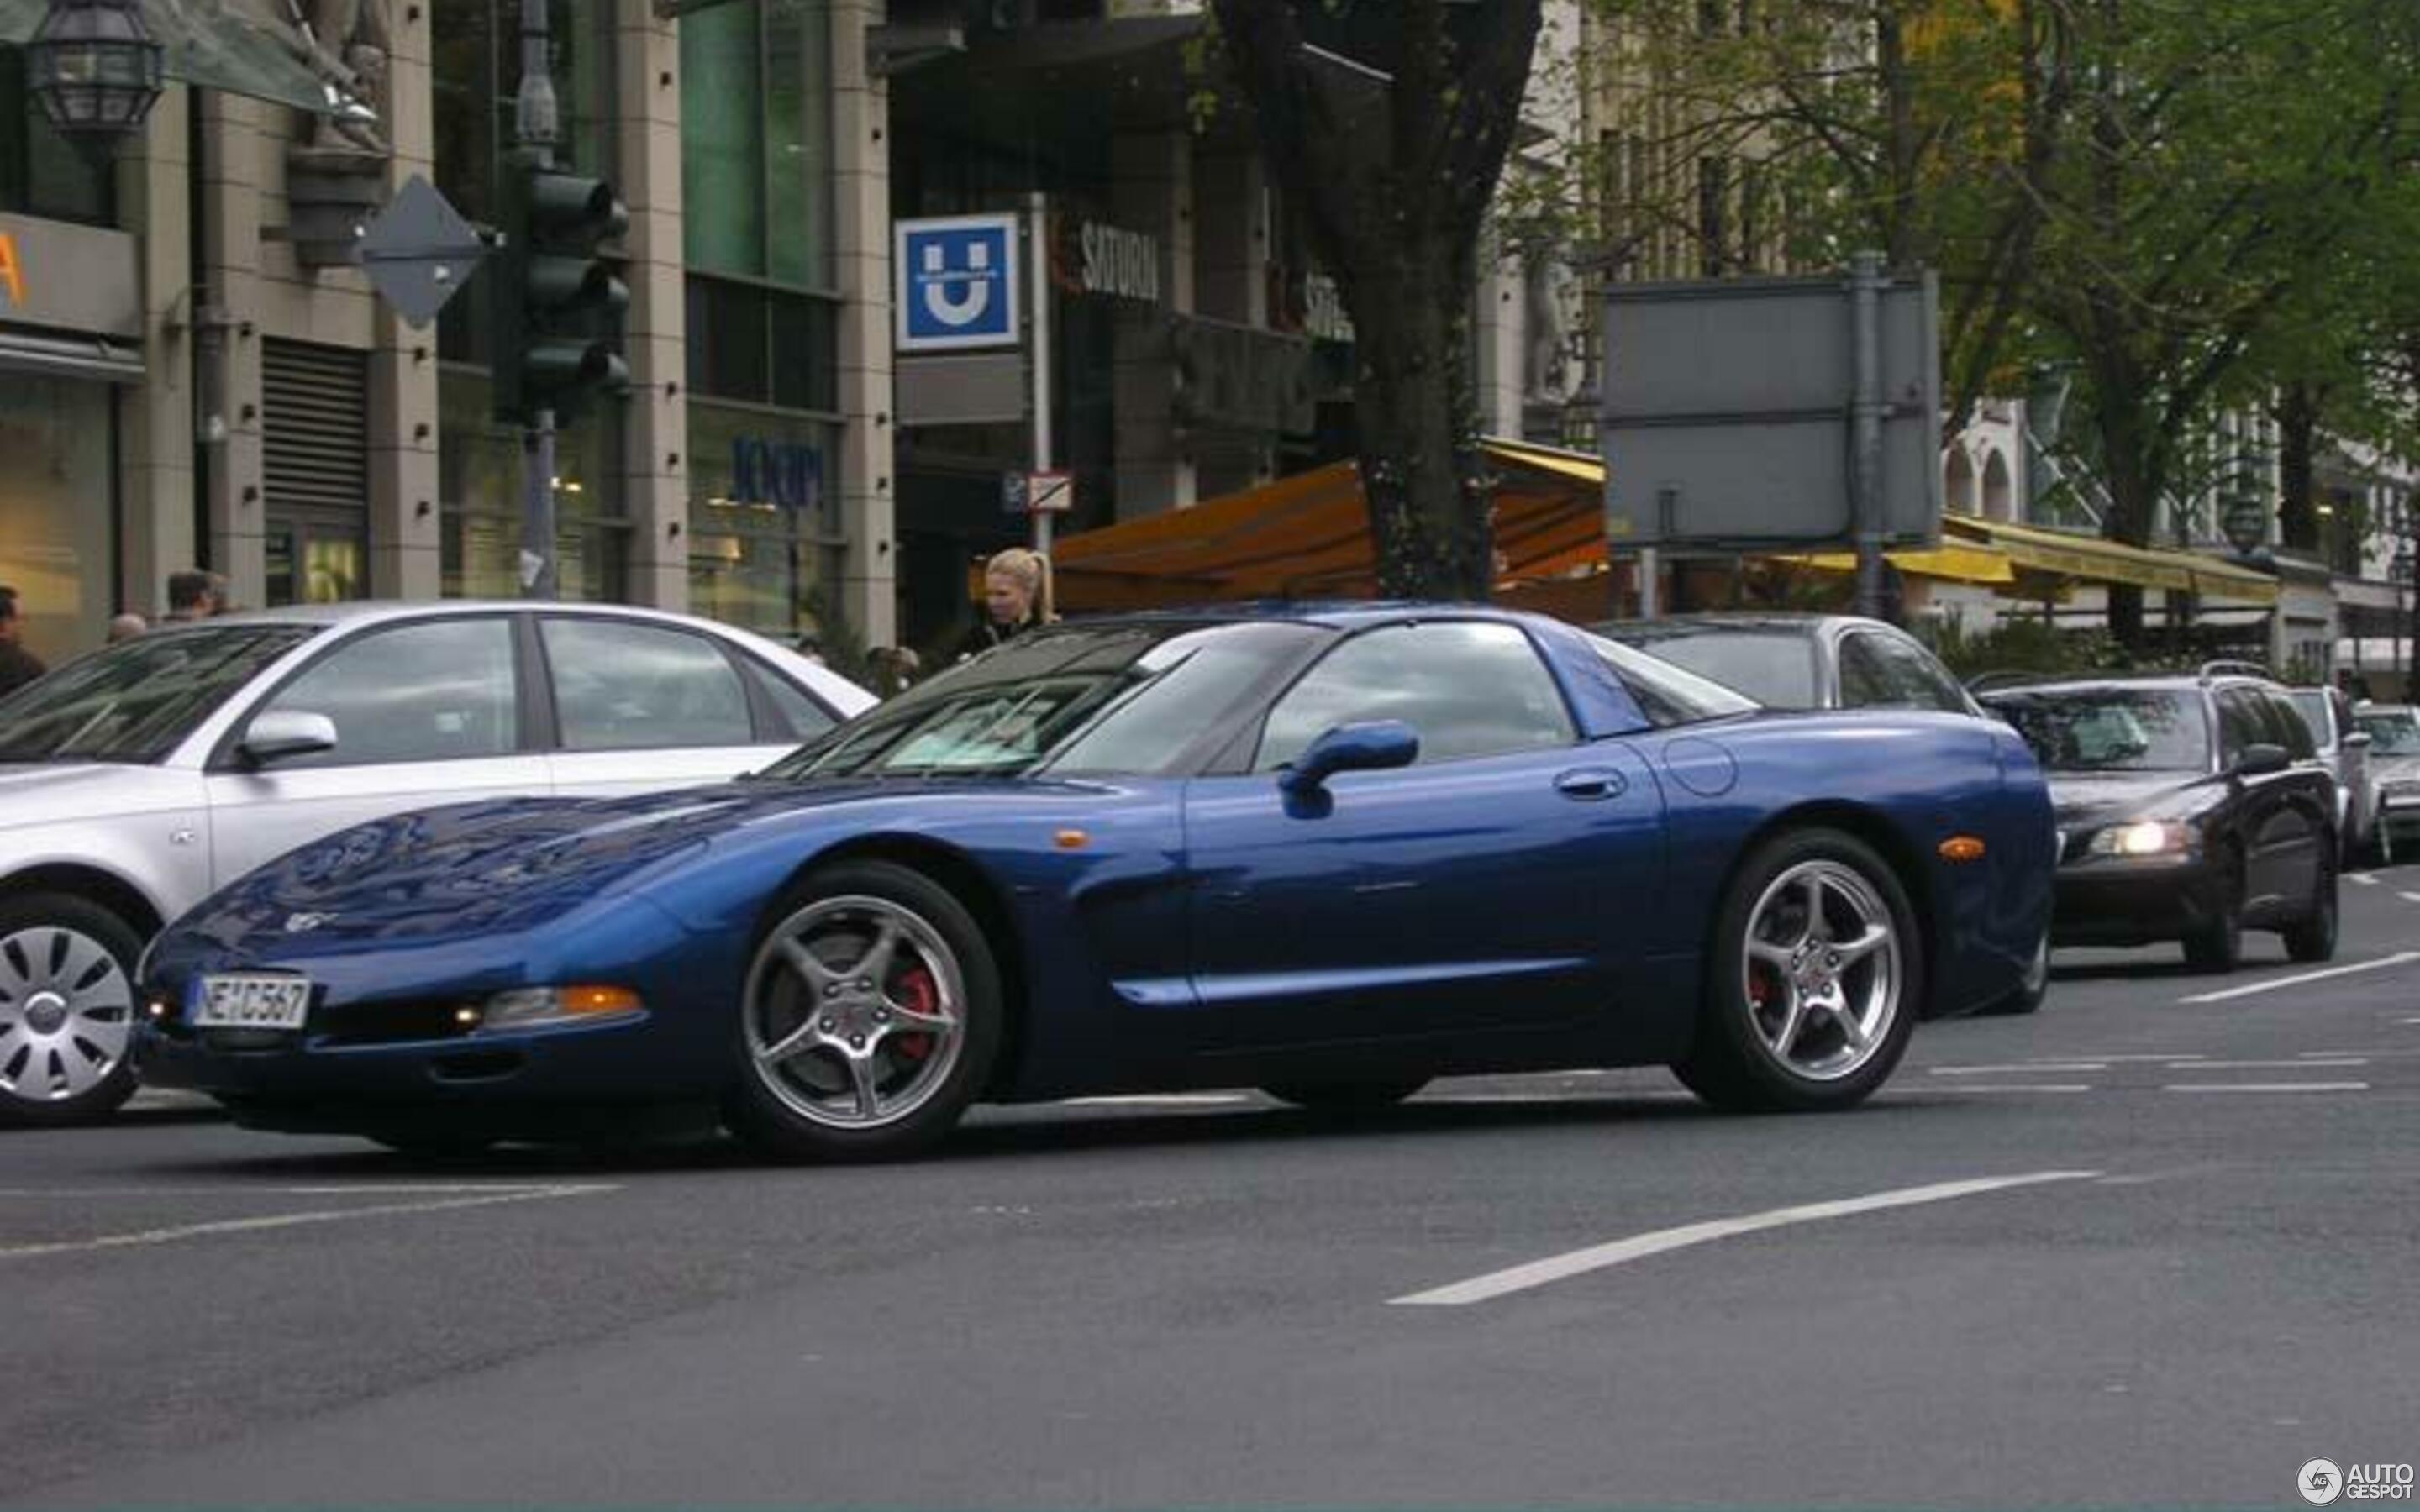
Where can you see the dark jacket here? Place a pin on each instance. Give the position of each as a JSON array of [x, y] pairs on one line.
[[17, 667]]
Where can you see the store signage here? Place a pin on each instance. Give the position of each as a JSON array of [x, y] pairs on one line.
[[1122, 264], [1323, 309], [1037, 493], [76, 278], [783, 475], [955, 283]]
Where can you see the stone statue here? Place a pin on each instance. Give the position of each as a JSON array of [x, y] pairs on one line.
[[348, 42], [1550, 292]]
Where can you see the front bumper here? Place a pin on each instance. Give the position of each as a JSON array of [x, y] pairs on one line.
[[2122, 900], [502, 1081]]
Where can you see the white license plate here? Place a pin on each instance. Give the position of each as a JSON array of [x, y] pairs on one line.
[[253, 1002]]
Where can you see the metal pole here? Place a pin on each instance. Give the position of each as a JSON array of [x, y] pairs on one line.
[[534, 122], [1867, 281], [1037, 284]]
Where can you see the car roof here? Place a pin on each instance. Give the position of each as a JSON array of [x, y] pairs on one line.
[[376, 611], [2127, 682], [1340, 614], [1753, 620]]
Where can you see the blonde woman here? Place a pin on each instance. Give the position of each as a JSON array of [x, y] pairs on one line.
[[1017, 597]]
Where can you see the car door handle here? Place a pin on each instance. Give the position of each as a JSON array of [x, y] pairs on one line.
[[1592, 783]]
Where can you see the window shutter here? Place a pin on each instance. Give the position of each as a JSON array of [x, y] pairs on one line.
[[315, 428]]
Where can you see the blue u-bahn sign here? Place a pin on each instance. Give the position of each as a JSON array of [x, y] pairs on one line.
[[955, 283]]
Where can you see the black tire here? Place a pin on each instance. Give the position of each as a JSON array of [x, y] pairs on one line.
[[1346, 1099], [2313, 936], [59, 1056], [1731, 1064], [775, 1121], [2217, 946], [2030, 993]]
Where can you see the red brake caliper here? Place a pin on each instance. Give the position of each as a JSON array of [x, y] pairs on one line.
[[915, 991]]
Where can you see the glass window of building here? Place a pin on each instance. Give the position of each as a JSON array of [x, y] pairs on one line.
[[58, 503], [763, 315], [476, 77]]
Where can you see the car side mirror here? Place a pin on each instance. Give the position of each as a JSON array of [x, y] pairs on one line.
[[2359, 740], [1369, 747], [281, 734], [2261, 761]]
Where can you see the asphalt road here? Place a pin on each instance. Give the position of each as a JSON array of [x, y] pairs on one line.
[[2198, 1273]]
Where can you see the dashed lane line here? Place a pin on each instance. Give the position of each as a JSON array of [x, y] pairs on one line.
[[2409, 897], [2362, 879], [2400, 958], [292, 1220], [2304, 1063], [1638, 1247], [2039, 1068], [2010, 1086], [2266, 1086]]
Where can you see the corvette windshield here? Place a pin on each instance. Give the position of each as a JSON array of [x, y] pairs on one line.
[[1128, 700], [136, 700]]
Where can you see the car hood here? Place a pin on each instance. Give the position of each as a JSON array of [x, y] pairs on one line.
[[493, 868], [45, 793], [2395, 768], [2082, 800]]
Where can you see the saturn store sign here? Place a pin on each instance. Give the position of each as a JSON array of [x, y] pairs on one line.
[[1089, 257]]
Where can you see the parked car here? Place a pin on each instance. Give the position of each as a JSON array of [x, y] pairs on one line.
[[1332, 854], [135, 780], [2393, 730], [2189, 809], [2344, 749], [1802, 661]]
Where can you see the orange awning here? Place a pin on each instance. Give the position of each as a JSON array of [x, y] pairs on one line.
[[1308, 536]]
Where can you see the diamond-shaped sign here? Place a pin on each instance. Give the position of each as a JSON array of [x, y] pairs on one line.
[[418, 250]]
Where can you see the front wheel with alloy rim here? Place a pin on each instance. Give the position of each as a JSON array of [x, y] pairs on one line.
[[67, 1009], [868, 1020], [1812, 979], [2313, 936]]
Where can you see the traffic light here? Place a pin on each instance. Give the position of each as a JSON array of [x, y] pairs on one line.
[[558, 307]]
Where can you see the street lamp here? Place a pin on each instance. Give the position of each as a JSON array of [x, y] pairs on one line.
[[97, 70]]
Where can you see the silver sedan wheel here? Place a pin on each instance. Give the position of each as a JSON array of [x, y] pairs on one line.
[[856, 1012], [1822, 967], [66, 1011]]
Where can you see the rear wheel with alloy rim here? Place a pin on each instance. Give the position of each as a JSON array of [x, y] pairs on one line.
[[869, 1018], [2313, 936], [1812, 981], [67, 1009]]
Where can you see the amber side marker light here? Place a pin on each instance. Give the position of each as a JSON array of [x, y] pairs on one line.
[[1071, 839], [1962, 848]]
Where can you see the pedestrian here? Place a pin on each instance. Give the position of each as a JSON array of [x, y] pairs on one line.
[[195, 595], [1017, 597], [126, 628], [18, 666]]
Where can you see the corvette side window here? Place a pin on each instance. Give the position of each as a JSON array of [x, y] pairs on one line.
[[1467, 689]]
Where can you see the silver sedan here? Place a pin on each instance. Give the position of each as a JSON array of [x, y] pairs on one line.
[[137, 780]]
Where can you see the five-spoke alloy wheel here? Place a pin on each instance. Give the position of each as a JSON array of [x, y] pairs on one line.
[[869, 1017], [1813, 978], [67, 1009]]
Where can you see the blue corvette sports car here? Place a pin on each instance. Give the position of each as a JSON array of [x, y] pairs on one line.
[[1330, 853]]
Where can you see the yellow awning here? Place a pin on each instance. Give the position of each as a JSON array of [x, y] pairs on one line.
[[2062, 554], [1950, 562]]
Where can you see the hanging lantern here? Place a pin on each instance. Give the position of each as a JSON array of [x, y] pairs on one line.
[[96, 69]]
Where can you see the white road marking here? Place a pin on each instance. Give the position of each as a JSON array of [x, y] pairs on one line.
[[1164, 1099], [1638, 1247], [292, 1220], [2362, 879], [2170, 1060], [2012, 1087], [2400, 958], [2307, 1062], [2037, 1068], [2409, 897], [2411, 1021], [2267, 1086], [355, 1189]]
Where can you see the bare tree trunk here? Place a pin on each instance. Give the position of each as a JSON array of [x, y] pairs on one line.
[[2298, 430]]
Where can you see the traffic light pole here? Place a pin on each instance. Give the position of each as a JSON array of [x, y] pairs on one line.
[[534, 121]]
